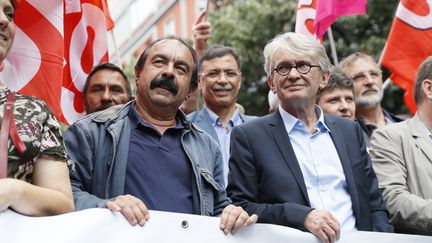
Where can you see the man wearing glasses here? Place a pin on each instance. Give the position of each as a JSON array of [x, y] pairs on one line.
[[368, 93], [298, 167], [220, 80]]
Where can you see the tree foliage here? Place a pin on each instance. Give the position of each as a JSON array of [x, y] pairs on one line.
[[247, 25]]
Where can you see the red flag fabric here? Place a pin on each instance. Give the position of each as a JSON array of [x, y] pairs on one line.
[[408, 45], [56, 46], [329, 10], [305, 18], [85, 41], [108, 20], [34, 65]]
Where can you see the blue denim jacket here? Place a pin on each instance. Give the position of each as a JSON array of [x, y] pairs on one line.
[[99, 144]]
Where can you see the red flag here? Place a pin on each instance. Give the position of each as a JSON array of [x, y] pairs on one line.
[[408, 45], [329, 10], [35, 63], [305, 18], [86, 45], [58, 41]]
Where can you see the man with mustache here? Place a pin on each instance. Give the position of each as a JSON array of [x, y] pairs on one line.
[[220, 79], [106, 86], [368, 93], [146, 155]]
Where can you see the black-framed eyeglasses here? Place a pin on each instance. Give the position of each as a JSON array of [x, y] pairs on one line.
[[301, 67]]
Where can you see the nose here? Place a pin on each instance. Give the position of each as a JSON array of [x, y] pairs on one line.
[[106, 96], [343, 107], [222, 78], [369, 79], [168, 71], [4, 20]]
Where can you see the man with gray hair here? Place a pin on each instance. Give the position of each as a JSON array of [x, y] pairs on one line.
[[368, 92], [298, 167], [402, 159]]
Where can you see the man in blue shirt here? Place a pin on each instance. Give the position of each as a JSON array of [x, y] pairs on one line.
[[146, 154], [298, 167], [220, 77]]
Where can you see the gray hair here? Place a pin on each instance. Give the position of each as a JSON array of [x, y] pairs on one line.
[[349, 60], [296, 44], [273, 100]]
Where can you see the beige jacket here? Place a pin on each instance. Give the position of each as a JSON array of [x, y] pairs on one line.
[[402, 160]]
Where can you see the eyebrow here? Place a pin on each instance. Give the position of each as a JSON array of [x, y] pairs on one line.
[[176, 62]]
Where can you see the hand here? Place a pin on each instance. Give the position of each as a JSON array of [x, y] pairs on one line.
[[201, 33], [323, 225], [131, 207], [9, 192], [233, 218]]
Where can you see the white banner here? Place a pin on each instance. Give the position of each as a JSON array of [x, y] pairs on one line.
[[101, 225]]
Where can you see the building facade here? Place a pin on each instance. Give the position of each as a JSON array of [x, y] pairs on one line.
[[138, 22]]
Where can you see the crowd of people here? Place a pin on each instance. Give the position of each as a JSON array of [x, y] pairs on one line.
[[327, 159]]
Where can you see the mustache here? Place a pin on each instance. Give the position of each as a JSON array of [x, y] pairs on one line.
[[227, 87], [167, 83]]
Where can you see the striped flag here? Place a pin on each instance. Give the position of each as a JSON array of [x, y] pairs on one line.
[[57, 43], [86, 45], [34, 65]]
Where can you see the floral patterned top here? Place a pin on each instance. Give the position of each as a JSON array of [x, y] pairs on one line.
[[38, 129]]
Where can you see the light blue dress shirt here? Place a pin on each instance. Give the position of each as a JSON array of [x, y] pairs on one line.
[[224, 134], [321, 168]]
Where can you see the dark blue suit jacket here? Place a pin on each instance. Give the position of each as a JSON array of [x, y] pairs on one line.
[[265, 177]]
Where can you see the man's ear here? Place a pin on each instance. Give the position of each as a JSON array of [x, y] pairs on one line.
[[427, 88], [324, 79], [271, 84], [137, 76]]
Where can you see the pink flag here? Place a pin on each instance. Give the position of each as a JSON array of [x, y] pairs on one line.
[[329, 10]]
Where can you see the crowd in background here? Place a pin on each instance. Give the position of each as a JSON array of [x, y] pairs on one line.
[[328, 158]]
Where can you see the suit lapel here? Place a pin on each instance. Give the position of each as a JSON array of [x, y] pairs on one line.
[[339, 142], [283, 142], [422, 140]]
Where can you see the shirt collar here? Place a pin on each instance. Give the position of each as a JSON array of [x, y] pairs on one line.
[[427, 130], [291, 121], [136, 120], [235, 120]]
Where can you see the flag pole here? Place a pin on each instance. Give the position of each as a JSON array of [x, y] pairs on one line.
[[332, 46], [116, 49]]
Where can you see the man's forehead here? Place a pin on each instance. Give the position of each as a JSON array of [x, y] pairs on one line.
[[285, 56], [226, 62], [338, 91], [169, 47], [107, 76], [362, 65]]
